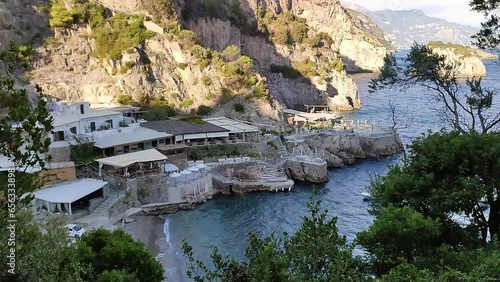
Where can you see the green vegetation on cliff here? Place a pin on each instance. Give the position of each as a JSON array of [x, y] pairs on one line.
[[113, 35], [457, 48], [288, 29]]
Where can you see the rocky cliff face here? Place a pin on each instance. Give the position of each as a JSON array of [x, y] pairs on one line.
[[344, 148], [22, 21], [160, 67], [361, 49], [468, 65]]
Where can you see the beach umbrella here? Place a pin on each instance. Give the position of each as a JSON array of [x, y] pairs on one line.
[[201, 166], [170, 168], [175, 175], [193, 169], [185, 173]]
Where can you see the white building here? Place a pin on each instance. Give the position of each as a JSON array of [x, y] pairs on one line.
[[78, 118]]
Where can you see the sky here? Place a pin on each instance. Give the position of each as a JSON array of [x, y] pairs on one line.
[[451, 10]]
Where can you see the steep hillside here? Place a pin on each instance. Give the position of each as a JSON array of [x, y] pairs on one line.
[[468, 60], [191, 54], [407, 26]]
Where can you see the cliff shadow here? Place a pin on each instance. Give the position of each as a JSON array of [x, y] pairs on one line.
[[220, 25]]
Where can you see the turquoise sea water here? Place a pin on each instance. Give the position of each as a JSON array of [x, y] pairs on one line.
[[224, 222]]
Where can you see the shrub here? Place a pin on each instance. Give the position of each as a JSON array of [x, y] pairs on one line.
[[298, 31], [83, 152], [125, 99], [182, 66], [306, 67], [272, 145], [206, 80], [260, 90], [203, 110], [52, 41], [123, 33], [126, 67], [187, 39], [60, 16], [239, 108], [186, 103], [230, 54], [159, 112], [284, 28], [226, 95], [337, 65]]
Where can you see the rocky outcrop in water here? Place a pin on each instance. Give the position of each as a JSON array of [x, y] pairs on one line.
[[468, 61], [306, 170], [339, 148]]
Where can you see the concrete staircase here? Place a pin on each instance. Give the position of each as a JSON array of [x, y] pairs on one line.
[[102, 209]]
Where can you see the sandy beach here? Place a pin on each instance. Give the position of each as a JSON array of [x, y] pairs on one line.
[[147, 229]]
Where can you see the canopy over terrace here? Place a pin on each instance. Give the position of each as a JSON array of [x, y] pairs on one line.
[[59, 197], [127, 160], [310, 117], [236, 128]]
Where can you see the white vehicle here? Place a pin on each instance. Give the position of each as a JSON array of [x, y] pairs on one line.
[[75, 231]]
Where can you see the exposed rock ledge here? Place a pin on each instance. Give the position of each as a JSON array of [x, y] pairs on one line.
[[468, 66], [339, 148], [307, 170]]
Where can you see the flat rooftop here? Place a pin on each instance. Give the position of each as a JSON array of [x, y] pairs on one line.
[[126, 135], [233, 126], [181, 127], [69, 191]]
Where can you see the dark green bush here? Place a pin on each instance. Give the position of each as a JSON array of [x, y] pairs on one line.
[[125, 99], [186, 103], [203, 110], [239, 108]]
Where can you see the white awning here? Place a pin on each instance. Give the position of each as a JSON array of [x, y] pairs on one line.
[[170, 168], [195, 136], [69, 192], [125, 160], [217, 134]]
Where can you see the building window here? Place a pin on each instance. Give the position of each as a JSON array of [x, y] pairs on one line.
[[133, 147], [140, 146], [126, 148], [148, 145], [59, 136], [73, 130], [92, 126], [110, 122], [119, 150], [162, 141], [82, 109], [155, 143]]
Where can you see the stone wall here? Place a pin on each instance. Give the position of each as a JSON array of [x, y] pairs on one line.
[[307, 171], [60, 154]]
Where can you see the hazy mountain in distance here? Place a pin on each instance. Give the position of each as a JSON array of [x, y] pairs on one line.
[[404, 27]]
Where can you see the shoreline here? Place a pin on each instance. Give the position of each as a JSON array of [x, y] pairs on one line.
[[145, 228]]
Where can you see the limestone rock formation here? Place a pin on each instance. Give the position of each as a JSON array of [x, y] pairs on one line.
[[22, 22], [469, 61], [306, 171], [67, 68], [341, 148], [360, 48]]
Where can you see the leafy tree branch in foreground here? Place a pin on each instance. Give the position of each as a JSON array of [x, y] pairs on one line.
[[466, 106]]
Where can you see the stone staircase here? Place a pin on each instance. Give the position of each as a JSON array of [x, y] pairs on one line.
[[114, 197]]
